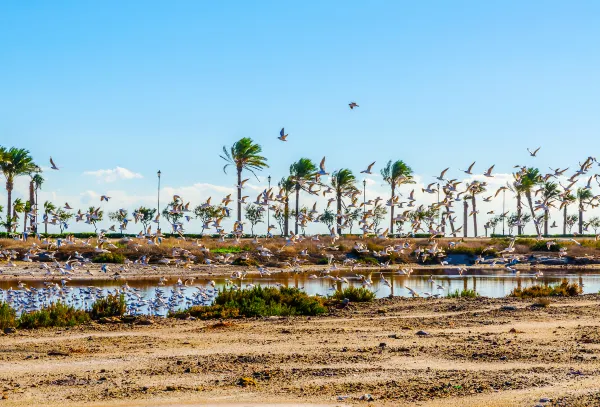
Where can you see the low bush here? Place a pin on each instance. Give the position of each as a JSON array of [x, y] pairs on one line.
[[112, 305], [117, 258], [207, 312], [7, 316], [229, 249], [354, 294], [541, 246], [564, 289], [463, 294], [245, 262], [55, 315]]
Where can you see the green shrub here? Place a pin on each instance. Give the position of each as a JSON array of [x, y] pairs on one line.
[[117, 258], [257, 302], [112, 305], [228, 249], [323, 261], [54, 315], [7, 316], [207, 312], [463, 294], [368, 260], [354, 294], [541, 246], [564, 289]]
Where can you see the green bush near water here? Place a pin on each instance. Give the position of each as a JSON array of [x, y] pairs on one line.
[[54, 315], [7, 316], [564, 289], [354, 294], [463, 294], [116, 258], [112, 305]]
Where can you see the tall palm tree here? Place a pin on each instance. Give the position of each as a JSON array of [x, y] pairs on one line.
[[517, 187], [49, 207], [18, 207], [300, 172], [475, 189], [550, 193], [567, 200], [342, 182], [244, 154], [584, 195], [529, 179], [287, 186], [14, 162], [38, 181], [395, 174]]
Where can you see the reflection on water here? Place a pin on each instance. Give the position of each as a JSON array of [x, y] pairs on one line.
[[146, 296]]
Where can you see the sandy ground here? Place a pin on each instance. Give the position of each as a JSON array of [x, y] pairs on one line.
[[475, 354]]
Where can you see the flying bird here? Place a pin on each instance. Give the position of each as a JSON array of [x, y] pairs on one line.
[[282, 135], [54, 167], [468, 171], [533, 154], [488, 173], [322, 168], [352, 105], [104, 198], [368, 170]]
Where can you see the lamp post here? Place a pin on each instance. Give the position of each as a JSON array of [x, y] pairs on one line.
[[503, 211], [158, 200], [364, 197], [268, 207]]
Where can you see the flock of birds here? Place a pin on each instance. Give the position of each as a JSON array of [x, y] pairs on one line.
[[433, 220]]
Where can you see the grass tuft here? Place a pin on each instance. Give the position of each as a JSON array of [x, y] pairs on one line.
[[116, 258], [463, 294], [112, 305], [54, 315], [7, 316], [564, 289], [354, 294]]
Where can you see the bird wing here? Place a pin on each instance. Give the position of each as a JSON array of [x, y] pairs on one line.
[[322, 164]]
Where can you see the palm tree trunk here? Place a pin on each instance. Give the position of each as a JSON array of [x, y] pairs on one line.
[[32, 204], [36, 211], [519, 214], [465, 217], [546, 218], [450, 221], [297, 207], [530, 202], [239, 188], [580, 217], [46, 225], [565, 220], [392, 210], [9, 188], [338, 218], [474, 209], [286, 214]]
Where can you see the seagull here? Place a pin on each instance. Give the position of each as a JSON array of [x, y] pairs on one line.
[[488, 173], [104, 198], [282, 135], [54, 167], [441, 177], [322, 168], [468, 171], [533, 154], [368, 170], [352, 105], [67, 207]]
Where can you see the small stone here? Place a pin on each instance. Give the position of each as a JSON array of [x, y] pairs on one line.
[[393, 336], [179, 362], [187, 370], [544, 400], [503, 358], [422, 333], [10, 330], [508, 308], [382, 345]]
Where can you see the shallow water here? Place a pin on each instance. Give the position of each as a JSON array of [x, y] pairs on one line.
[[491, 283]]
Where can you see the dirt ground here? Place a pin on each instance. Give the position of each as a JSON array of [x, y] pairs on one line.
[[476, 352]]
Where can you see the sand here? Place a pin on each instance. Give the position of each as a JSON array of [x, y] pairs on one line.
[[475, 353]]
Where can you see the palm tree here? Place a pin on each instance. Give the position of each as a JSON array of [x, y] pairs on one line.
[[475, 188], [300, 172], [584, 195], [530, 178], [395, 174], [342, 182], [549, 193], [49, 207], [38, 181], [244, 154], [287, 186], [567, 200], [517, 187], [18, 207], [14, 162]]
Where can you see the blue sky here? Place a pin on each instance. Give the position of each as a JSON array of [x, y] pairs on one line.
[[148, 85]]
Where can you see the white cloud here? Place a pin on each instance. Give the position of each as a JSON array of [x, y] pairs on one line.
[[112, 175]]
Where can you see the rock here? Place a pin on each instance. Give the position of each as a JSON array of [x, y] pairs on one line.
[[422, 333], [144, 322], [187, 370], [179, 362], [544, 400], [512, 331], [10, 330], [128, 318], [393, 336], [366, 397], [382, 345], [57, 353], [508, 308], [503, 358]]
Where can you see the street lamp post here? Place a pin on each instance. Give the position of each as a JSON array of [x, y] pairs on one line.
[[268, 207], [158, 200], [503, 211], [364, 197]]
